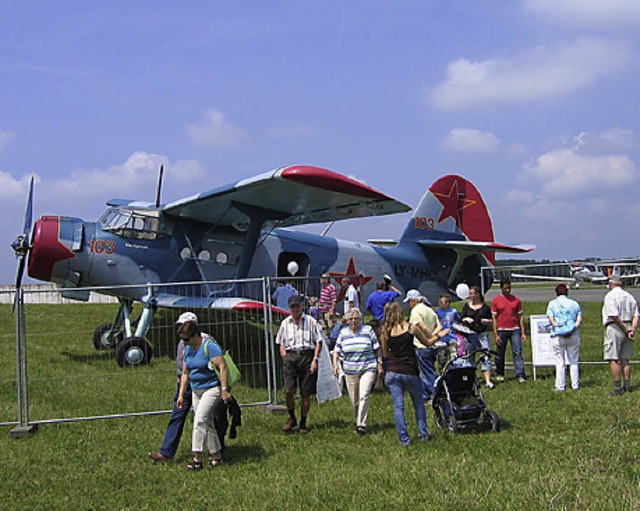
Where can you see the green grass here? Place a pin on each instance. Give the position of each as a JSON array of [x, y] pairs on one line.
[[577, 450]]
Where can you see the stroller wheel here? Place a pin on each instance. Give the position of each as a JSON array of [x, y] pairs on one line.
[[492, 420], [440, 422], [452, 423]]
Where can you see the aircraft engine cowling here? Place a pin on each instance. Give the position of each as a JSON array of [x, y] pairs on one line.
[[57, 253]]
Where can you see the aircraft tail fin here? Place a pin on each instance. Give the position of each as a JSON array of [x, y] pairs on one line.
[[452, 209], [452, 218]]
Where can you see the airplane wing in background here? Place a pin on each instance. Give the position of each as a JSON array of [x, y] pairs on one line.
[[542, 277], [289, 196]]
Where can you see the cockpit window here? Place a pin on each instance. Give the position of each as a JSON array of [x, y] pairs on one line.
[[131, 223]]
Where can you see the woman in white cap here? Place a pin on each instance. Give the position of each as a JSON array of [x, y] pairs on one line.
[[202, 356]]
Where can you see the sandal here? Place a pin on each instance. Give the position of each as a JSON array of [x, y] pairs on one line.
[[194, 465], [215, 462]]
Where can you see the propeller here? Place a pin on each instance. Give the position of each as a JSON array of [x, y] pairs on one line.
[[21, 244], [159, 189]]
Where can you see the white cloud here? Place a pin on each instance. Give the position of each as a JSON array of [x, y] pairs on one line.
[[5, 136], [86, 190], [610, 141], [213, 130], [591, 13], [566, 173], [470, 140], [11, 188], [544, 73]]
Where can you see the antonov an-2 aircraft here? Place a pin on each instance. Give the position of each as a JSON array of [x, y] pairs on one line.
[[239, 231]]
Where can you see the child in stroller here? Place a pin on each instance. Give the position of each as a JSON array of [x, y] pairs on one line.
[[458, 401]]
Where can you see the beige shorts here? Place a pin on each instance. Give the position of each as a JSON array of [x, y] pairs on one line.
[[617, 346]]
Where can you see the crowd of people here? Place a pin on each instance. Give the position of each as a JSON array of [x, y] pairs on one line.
[[395, 348]]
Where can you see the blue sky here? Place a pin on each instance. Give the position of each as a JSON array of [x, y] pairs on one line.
[[535, 101]]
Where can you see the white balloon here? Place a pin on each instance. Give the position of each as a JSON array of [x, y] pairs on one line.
[[462, 290], [292, 268]]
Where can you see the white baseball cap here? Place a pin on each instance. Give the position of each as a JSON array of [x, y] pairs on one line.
[[187, 317], [413, 294]]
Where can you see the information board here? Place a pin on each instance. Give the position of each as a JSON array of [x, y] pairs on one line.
[[541, 347]]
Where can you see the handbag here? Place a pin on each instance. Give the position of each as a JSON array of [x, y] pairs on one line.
[[233, 373]]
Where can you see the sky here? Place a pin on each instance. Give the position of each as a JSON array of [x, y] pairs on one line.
[[534, 101]]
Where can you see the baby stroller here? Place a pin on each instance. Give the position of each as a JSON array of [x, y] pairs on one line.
[[457, 401]]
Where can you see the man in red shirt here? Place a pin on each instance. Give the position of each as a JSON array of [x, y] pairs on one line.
[[508, 325]]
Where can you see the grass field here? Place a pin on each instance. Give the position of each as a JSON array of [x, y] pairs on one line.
[[577, 450]]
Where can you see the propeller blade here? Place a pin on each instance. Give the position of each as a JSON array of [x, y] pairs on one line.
[[28, 213], [21, 244], [159, 189]]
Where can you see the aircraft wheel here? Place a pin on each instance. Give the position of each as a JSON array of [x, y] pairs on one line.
[[104, 338], [133, 351], [452, 423]]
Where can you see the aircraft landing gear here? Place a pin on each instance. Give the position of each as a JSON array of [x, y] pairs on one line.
[[105, 338], [131, 348], [133, 351]]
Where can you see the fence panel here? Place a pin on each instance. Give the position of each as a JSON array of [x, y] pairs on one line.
[[73, 376]]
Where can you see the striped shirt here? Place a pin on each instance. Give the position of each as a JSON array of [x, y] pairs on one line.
[[328, 297], [303, 336], [357, 350]]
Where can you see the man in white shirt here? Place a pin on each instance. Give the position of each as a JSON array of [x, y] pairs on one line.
[[620, 320]]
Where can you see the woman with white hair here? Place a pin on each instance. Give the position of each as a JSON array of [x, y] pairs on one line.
[[358, 350]]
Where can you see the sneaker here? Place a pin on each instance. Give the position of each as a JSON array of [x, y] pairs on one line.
[[521, 379], [425, 438], [289, 425], [628, 389], [499, 378], [428, 402], [558, 390], [489, 385], [156, 456], [303, 430], [616, 392]]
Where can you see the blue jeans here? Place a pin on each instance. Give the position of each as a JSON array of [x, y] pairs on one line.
[[176, 424], [397, 384], [427, 364], [516, 350], [483, 343]]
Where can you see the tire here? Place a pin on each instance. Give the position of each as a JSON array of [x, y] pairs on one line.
[[440, 422], [494, 420], [133, 351], [452, 423], [104, 338]]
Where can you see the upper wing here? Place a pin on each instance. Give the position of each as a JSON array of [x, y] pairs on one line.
[[289, 196]]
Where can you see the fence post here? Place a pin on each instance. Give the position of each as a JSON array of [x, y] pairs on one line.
[[24, 428]]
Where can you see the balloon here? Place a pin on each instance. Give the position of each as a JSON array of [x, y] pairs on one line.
[[292, 268], [462, 290]]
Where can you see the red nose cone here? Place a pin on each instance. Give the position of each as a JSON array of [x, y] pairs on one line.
[[47, 249]]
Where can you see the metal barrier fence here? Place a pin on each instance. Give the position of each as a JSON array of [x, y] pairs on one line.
[[65, 368]]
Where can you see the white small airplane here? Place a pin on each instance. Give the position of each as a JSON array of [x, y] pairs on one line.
[[594, 273]]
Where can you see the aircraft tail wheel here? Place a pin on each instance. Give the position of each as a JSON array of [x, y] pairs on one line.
[[104, 338], [133, 351]]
